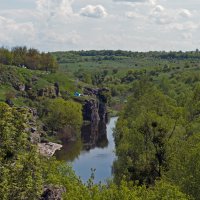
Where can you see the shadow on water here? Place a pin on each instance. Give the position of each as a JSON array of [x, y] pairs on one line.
[[70, 150], [94, 150], [92, 136]]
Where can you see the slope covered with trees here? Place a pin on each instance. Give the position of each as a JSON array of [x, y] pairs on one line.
[[157, 136]]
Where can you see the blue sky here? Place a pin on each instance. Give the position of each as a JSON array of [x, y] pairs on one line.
[[137, 25]]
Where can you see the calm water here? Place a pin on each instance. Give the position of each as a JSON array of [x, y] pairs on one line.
[[96, 152]]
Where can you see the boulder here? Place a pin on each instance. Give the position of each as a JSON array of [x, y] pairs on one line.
[[53, 193], [48, 149], [9, 102]]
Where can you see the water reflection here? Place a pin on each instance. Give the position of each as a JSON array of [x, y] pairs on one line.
[[92, 135], [96, 151], [70, 150]]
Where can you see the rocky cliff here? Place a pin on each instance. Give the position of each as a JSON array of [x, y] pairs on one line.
[[35, 131], [95, 111]]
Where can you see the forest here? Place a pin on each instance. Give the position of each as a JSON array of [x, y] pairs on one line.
[[156, 96]]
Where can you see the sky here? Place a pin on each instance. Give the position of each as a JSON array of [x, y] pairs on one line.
[[136, 25]]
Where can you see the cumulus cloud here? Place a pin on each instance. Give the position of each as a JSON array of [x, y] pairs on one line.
[[185, 13], [97, 11], [161, 16], [13, 33], [158, 9], [132, 24]]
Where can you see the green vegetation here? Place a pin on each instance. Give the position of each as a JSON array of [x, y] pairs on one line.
[[23, 172], [27, 58], [20, 173], [157, 135], [64, 114], [157, 97]]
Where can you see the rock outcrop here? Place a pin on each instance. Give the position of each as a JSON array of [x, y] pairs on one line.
[[48, 149], [95, 111], [9, 102], [35, 131], [51, 92], [91, 110], [52, 193]]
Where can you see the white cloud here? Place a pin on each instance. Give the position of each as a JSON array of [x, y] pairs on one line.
[[137, 1], [55, 7], [97, 11], [13, 33], [185, 13], [54, 37], [158, 9], [185, 26], [161, 16], [133, 15], [127, 24], [134, 1], [187, 36]]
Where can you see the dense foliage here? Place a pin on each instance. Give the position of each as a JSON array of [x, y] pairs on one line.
[[157, 138], [29, 58], [157, 135], [20, 174], [64, 114], [23, 172]]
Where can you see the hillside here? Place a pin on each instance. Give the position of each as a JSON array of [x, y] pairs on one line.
[[155, 95]]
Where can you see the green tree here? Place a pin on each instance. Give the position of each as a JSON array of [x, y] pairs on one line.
[[6, 56], [20, 174], [143, 132], [184, 165], [64, 114]]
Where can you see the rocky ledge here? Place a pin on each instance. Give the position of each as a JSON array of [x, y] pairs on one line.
[[48, 149]]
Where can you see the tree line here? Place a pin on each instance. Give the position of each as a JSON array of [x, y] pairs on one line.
[[29, 58]]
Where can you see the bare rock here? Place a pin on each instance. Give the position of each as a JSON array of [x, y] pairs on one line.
[[53, 193], [48, 149]]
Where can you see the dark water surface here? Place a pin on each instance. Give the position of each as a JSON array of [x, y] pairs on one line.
[[96, 151]]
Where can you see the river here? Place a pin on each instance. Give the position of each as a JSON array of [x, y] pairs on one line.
[[87, 154]]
